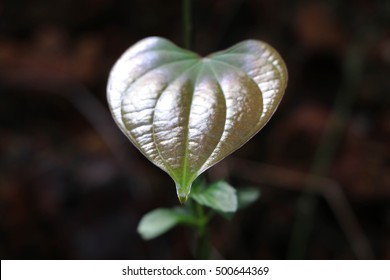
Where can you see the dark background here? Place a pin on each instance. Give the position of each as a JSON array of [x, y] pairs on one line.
[[73, 187]]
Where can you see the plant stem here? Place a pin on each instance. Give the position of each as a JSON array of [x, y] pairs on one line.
[[187, 23], [203, 245]]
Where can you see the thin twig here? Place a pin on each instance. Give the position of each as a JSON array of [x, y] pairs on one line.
[[293, 180], [307, 204]]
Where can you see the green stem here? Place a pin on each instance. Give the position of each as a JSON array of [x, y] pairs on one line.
[[203, 246], [187, 23], [202, 249]]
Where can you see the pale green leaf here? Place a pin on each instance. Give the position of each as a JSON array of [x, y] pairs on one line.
[[184, 112], [161, 220], [219, 196], [247, 196]]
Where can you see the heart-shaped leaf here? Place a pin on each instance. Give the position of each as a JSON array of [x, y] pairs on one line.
[[184, 112]]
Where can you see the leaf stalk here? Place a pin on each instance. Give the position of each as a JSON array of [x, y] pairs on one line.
[[187, 23]]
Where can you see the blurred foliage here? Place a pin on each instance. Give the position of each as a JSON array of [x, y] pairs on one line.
[[71, 186]]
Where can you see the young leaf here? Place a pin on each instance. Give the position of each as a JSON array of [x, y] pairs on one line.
[[161, 220], [184, 112], [219, 196], [247, 196]]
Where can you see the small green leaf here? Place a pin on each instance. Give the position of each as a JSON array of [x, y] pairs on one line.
[[219, 196], [247, 196], [161, 220], [184, 112]]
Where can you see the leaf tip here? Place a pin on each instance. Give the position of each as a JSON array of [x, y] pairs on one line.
[[183, 199], [183, 193]]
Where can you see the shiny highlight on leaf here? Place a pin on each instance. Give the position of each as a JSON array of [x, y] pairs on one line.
[[185, 113]]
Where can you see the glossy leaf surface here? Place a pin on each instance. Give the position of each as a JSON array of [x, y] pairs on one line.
[[184, 112]]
